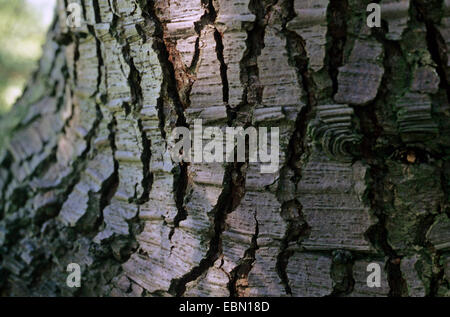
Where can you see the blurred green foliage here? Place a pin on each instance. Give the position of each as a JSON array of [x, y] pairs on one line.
[[22, 33]]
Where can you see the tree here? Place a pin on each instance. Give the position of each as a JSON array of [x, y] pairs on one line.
[[86, 175]]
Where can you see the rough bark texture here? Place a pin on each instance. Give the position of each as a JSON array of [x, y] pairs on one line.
[[364, 115]]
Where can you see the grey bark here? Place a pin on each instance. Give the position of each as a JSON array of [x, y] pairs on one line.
[[86, 175]]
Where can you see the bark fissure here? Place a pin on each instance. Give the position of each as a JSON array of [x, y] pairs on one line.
[[239, 275], [206, 19], [342, 273], [435, 42], [146, 157], [223, 65], [226, 203], [134, 79], [337, 31], [180, 185], [169, 88], [252, 95], [249, 74], [371, 129], [297, 227]]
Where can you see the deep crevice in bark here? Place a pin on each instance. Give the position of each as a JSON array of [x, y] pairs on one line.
[[109, 187], [146, 157], [223, 65], [375, 158], [249, 70], [169, 88], [239, 275], [134, 80], [337, 31], [435, 42], [297, 227], [228, 200], [207, 18], [252, 95], [179, 188]]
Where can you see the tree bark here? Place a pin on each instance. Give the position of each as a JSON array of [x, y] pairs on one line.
[[86, 175]]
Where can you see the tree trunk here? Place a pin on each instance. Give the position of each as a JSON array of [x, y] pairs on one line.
[[86, 175]]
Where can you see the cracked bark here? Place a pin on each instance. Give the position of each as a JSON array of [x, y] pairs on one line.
[[364, 116]]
